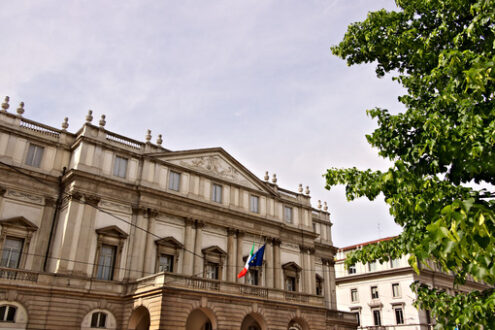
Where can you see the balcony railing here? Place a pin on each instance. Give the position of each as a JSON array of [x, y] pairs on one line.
[[172, 280], [18, 275]]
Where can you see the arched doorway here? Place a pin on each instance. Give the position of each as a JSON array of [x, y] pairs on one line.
[[253, 322], [201, 319], [140, 319], [298, 324]]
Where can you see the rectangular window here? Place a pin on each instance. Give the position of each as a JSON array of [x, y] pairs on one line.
[[288, 214], [372, 266], [216, 193], [358, 318], [351, 269], [174, 181], [374, 292], [428, 316], [252, 277], [120, 167], [399, 317], [314, 227], [395, 290], [212, 271], [290, 283], [11, 253], [354, 295], [254, 204], [106, 262], [166, 263], [394, 263], [34, 155], [98, 320], [376, 317], [319, 286]]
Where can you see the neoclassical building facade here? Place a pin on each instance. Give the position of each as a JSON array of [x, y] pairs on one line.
[[101, 231]]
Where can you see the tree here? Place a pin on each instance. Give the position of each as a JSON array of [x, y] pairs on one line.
[[441, 146]]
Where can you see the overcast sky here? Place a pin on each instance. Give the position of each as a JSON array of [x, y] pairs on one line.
[[254, 77]]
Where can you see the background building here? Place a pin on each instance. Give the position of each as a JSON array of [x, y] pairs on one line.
[[380, 294], [102, 231]]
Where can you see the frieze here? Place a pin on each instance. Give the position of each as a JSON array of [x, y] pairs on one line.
[[22, 196], [115, 206], [217, 166]]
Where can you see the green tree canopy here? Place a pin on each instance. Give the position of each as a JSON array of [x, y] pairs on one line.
[[443, 53]]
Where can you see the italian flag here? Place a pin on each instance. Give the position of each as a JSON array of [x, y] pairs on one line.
[[246, 266]]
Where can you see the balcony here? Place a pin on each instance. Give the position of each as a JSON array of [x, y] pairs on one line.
[[15, 274], [171, 280]]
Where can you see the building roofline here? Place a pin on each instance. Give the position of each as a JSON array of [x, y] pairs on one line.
[[355, 246]]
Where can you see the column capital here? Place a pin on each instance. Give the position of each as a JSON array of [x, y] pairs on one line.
[[199, 224], [276, 241], [92, 200], [50, 201], [231, 231], [152, 213]]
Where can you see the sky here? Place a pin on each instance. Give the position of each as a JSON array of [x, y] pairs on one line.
[[254, 77]]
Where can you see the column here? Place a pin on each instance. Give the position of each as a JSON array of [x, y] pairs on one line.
[[326, 283], [312, 272], [198, 254], [86, 234], [269, 263], [304, 272], [231, 265], [43, 235], [239, 263], [189, 237], [277, 271], [150, 247], [333, 294], [137, 244]]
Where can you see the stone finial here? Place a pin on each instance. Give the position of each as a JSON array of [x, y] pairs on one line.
[[274, 178], [5, 104], [319, 204], [89, 116], [325, 206], [148, 136], [307, 190], [267, 177], [65, 124], [159, 141], [300, 189], [102, 121], [20, 109]]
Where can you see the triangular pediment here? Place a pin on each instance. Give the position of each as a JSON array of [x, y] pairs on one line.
[[292, 266], [215, 162], [112, 231], [169, 241], [19, 222], [214, 250]]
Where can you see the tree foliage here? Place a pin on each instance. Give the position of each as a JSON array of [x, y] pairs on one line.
[[443, 53]]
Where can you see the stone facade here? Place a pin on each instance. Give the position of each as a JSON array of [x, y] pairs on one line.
[[381, 295], [102, 231]]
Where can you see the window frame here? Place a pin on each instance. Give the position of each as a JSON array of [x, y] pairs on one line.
[[31, 160], [18, 228], [377, 321], [374, 292], [215, 187], [254, 207], [168, 246], [288, 216], [396, 293], [8, 308], [214, 256], [98, 320], [292, 271], [372, 266], [174, 180], [20, 252], [319, 285], [354, 298], [117, 166], [101, 266], [352, 269], [110, 236], [401, 313]]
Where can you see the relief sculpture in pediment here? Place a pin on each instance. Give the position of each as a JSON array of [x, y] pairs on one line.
[[217, 166]]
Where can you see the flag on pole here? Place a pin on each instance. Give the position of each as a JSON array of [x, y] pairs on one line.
[[254, 260]]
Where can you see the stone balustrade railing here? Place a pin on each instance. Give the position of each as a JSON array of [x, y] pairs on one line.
[[18, 274]]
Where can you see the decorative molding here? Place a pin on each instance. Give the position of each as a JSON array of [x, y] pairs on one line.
[[114, 206], [22, 196]]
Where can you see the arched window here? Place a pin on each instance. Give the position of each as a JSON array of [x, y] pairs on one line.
[[7, 313], [99, 320]]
